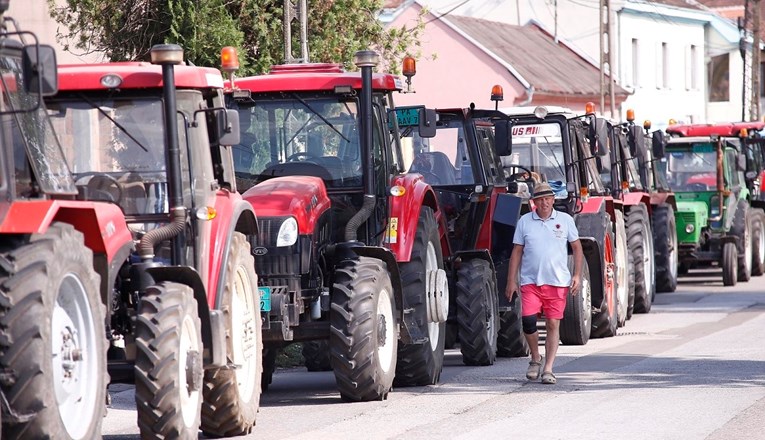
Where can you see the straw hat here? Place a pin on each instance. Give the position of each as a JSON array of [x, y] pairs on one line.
[[542, 190]]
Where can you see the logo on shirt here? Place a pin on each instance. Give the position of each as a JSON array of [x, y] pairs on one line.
[[557, 226]]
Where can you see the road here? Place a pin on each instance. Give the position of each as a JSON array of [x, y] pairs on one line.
[[693, 368]]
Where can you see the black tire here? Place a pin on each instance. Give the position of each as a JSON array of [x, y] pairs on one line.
[[758, 242], [451, 338], [421, 364], [665, 251], [363, 338], [511, 342], [576, 325], [316, 355], [232, 395], [477, 314], [168, 406], [269, 367], [683, 268], [640, 243], [742, 228], [605, 322], [50, 303], [623, 286], [729, 264], [631, 281]]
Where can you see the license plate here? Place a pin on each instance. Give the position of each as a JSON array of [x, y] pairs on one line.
[[265, 299]]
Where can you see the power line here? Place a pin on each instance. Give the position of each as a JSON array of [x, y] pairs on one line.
[[447, 12]]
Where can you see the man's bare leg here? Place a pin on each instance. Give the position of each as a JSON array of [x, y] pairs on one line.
[[533, 341], [551, 342]]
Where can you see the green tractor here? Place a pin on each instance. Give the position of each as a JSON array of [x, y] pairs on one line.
[[714, 219]]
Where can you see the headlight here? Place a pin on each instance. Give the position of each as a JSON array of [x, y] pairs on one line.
[[288, 233], [689, 228]]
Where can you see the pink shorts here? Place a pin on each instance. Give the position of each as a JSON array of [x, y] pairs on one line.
[[548, 299]]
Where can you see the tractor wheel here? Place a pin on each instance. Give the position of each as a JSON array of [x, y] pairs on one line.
[[683, 268], [640, 245], [665, 248], [511, 342], [477, 314], [362, 338], [576, 325], [451, 338], [269, 366], [421, 364], [232, 395], [168, 364], [316, 355], [729, 264], [742, 228], [54, 341], [623, 285], [604, 322], [758, 242]]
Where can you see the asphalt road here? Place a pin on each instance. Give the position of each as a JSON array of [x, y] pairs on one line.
[[693, 368]]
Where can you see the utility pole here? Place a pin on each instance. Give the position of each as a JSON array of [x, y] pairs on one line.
[[606, 58], [750, 52], [754, 112], [295, 11]]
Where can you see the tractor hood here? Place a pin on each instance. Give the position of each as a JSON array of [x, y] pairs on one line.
[[302, 197], [692, 217]]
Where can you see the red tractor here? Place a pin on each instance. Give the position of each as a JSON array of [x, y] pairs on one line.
[[151, 142], [349, 249]]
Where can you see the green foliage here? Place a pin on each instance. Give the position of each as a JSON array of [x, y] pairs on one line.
[[127, 29]]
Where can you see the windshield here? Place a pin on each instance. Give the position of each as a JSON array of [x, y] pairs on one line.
[[539, 148], [115, 149], [443, 159], [693, 170], [299, 136]]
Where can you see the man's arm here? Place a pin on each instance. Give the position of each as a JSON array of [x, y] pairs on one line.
[[512, 271], [576, 278]]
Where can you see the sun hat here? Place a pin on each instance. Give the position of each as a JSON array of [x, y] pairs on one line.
[[542, 190]]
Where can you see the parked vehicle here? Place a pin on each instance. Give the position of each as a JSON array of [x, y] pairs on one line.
[[52, 346], [555, 145], [349, 248], [177, 275], [714, 221]]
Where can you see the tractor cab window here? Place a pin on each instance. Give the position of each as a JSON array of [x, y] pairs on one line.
[[736, 178], [539, 148], [116, 149], [443, 159], [307, 136], [692, 169]]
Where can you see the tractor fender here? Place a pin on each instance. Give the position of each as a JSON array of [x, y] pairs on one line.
[[637, 198], [231, 213], [213, 325], [592, 229], [658, 198], [404, 212]]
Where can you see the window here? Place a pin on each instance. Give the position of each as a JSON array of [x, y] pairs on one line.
[[693, 67], [635, 63], [719, 72], [664, 66]]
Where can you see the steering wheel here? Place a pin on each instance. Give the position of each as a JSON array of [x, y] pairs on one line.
[[525, 175], [100, 186], [296, 157]]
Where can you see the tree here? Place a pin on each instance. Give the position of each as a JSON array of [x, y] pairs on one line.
[[127, 29]]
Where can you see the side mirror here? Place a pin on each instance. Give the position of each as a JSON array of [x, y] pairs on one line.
[[658, 144], [741, 162], [503, 143], [571, 187], [39, 69], [636, 140], [227, 127], [751, 175], [427, 124], [599, 137]]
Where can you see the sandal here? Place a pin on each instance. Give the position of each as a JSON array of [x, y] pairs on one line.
[[548, 378], [532, 373]]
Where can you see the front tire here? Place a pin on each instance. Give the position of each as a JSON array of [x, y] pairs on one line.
[[576, 325], [729, 264], [54, 341], [511, 342], [665, 247], [623, 285], [232, 395], [421, 364], [316, 355], [758, 242], [640, 244], [168, 365], [477, 314], [604, 322], [363, 330], [742, 228]]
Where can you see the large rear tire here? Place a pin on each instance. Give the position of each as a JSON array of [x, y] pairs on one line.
[[54, 341], [665, 248], [758, 242], [640, 244], [316, 355], [421, 364], [742, 228], [232, 394], [623, 285], [576, 325], [511, 342], [729, 264], [363, 338], [168, 365], [477, 314]]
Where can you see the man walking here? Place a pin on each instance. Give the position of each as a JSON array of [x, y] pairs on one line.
[[540, 250]]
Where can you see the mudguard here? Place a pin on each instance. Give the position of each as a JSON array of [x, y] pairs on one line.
[[658, 198], [404, 211], [637, 198], [303, 197]]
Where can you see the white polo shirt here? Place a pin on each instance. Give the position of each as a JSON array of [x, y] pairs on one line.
[[545, 255]]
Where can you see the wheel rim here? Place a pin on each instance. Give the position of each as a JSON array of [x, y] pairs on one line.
[[623, 288], [673, 252], [243, 333], [189, 348], [761, 244], [648, 271], [748, 250], [431, 264], [76, 373], [586, 300], [385, 337], [491, 329]]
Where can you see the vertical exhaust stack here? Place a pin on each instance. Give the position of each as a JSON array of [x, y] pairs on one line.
[[366, 60]]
